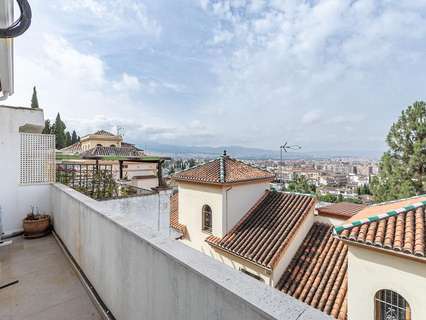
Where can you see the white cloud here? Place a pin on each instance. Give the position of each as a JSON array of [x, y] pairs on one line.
[[97, 8], [257, 5], [73, 83], [222, 36], [347, 57], [248, 71], [111, 14], [311, 117], [140, 132], [127, 82], [59, 57]]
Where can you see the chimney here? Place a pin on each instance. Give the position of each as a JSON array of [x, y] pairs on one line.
[[222, 168]]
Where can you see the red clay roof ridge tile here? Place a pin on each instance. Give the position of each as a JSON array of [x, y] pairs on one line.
[[223, 170]]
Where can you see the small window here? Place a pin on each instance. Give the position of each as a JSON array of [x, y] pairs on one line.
[[389, 305], [207, 219], [112, 146], [99, 145], [251, 274]]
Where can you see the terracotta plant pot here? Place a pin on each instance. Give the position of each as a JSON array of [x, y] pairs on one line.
[[35, 227]]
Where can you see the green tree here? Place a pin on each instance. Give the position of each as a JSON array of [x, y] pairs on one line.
[[67, 139], [365, 189], [59, 131], [328, 198], [403, 168], [47, 127], [34, 99], [301, 184], [74, 137], [191, 163], [335, 199]]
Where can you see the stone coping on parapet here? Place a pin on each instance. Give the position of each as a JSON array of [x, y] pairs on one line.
[[260, 297]]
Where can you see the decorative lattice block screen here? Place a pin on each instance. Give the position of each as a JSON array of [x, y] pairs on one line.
[[37, 158]]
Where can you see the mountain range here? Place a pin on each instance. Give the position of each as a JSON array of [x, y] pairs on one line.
[[183, 151]]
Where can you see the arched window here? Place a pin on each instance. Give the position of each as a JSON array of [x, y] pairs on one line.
[[207, 219], [99, 145], [390, 305], [112, 146]]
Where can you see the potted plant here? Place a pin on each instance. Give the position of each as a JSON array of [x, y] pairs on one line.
[[35, 224]]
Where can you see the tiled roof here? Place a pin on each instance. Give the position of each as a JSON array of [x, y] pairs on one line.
[[103, 133], [401, 230], [74, 148], [112, 152], [222, 171], [130, 145], [174, 214], [317, 274], [265, 231], [343, 210]]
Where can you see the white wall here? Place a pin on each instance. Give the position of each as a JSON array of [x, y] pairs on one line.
[[241, 198], [370, 271], [15, 200], [153, 210], [147, 184], [238, 200], [141, 274], [192, 198]]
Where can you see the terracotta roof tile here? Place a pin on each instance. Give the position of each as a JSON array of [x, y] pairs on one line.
[[343, 210], [130, 145], [103, 133], [317, 274], [222, 171], [127, 152], [401, 230], [174, 215], [264, 232], [385, 207], [74, 148]]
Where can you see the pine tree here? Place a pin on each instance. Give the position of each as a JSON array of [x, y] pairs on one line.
[[403, 167], [59, 128], [47, 127], [68, 139], [34, 99], [74, 137]]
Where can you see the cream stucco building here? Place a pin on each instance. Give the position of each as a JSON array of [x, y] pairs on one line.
[[347, 260], [129, 163], [386, 260], [223, 207]]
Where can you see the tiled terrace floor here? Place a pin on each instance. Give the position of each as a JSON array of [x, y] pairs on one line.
[[48, 287]]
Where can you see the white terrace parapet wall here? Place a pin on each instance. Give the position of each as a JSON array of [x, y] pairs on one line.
[[140, 273], [152, 209], [16, 199]]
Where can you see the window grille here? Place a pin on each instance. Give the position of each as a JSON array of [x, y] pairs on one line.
[[391, 306], [37, 158], [207, 219]]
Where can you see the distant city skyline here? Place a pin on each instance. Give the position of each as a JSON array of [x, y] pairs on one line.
[[328, 75]]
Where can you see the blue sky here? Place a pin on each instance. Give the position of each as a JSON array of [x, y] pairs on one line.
[[328, 75]]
